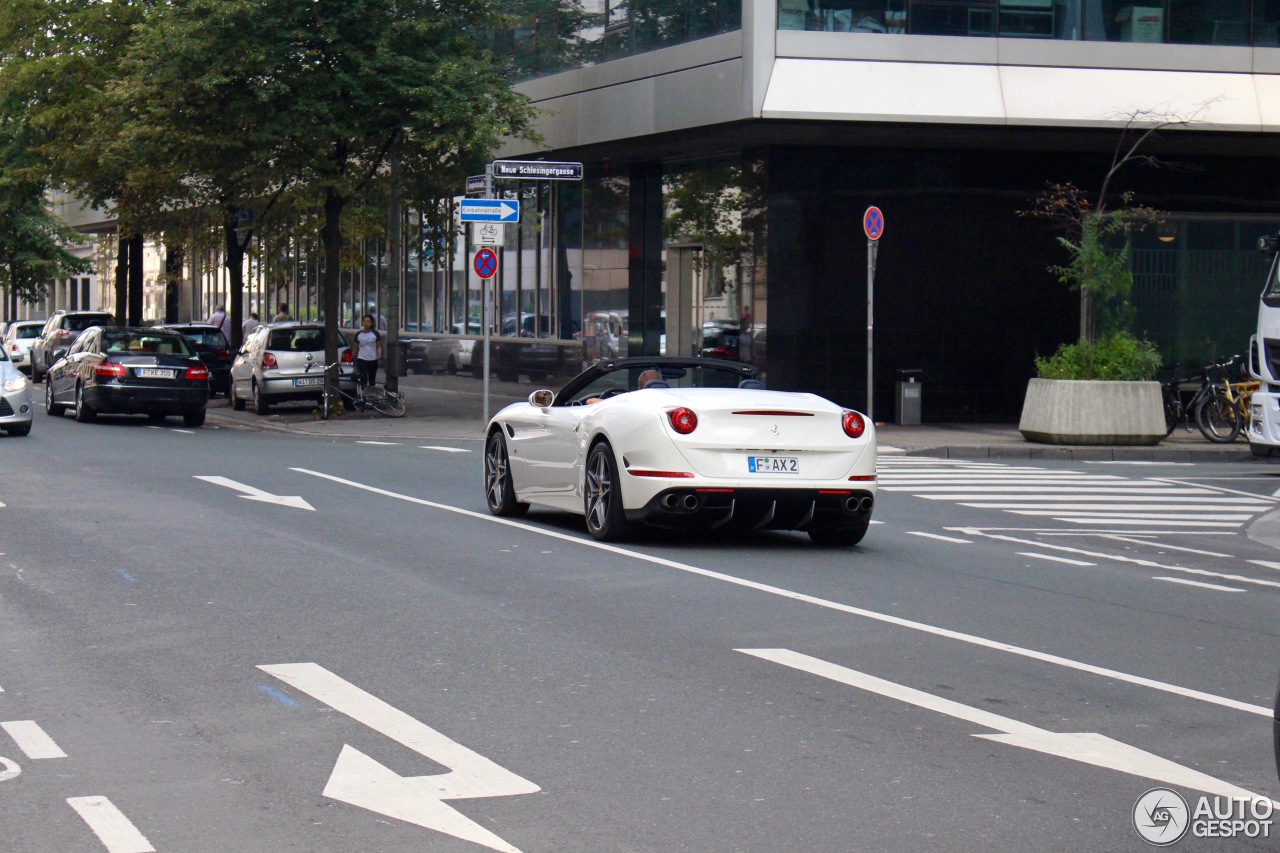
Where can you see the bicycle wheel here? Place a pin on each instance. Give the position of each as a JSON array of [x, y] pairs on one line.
[[1172, 412], [390, 404], [1217, 419]]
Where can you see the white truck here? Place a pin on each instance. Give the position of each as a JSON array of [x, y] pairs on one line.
[[1264, 359]]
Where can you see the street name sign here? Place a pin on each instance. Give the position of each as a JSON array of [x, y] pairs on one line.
[[475, 184], [489, 210], [536, 170]]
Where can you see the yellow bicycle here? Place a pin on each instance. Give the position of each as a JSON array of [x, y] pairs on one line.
[[1224, 412]]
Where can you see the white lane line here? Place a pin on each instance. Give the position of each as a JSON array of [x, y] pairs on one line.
[[443, 449], [117, 832], [1167, 546], [1058, 531], [1068, 514], [1137, 561], [966, 489], [32, 739], [1105, 507], [8, 769], [380, 443], [1055, 559], [1219, 489], [1266, 564], [941, 537], [885, 618], [1122, 462], [1093, 497], [1186, 582], [1137, 522], [183, 431]]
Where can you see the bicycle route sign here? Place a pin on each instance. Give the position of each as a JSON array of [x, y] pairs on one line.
[[873, 223], [485, 263]]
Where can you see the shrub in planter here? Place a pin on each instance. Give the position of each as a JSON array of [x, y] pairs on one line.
[[1116, 356]]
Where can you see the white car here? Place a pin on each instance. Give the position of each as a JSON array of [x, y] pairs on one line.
[[684, 442], [15, 398], [18, 339]]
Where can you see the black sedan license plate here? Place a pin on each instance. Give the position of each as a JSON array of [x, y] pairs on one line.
[[154, 373], [310, 380], [773, 465]]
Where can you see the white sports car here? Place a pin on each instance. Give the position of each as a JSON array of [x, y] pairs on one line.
[[684, 442]]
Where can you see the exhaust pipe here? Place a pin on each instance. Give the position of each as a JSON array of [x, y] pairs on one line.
[[669, 502], [850, 504], [690, 502], [866, 504]]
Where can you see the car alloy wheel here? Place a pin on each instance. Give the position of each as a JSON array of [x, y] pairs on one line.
[[84, 414], [260, 404], [606, 519], [51, 408], [499, 492]]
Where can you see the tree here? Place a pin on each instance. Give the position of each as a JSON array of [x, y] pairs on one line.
[[323, 90]]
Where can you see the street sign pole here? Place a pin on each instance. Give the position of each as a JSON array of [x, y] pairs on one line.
[[486, 284], [873, 227], [871, 323]]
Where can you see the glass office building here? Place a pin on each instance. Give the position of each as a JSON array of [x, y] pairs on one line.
[[732, 147]]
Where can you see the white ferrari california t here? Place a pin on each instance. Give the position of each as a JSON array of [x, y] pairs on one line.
[[684, 442]]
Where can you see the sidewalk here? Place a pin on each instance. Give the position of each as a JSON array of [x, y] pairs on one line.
[[449, 408]]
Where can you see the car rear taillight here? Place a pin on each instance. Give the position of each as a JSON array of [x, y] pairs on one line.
[[269, 361], [346, 357], [197, 373], [683, 420], [853, 424], [109, 370]]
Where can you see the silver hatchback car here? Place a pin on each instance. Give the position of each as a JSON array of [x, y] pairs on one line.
[[284, 363]]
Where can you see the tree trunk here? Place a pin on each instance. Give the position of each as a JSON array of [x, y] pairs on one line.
[[331, 237], [395, 271], [1088, 321], [135, 280], [122, 280], [172, 281], [235, 271]]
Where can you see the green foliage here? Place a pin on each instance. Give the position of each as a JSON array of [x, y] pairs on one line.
[[1118, 355]]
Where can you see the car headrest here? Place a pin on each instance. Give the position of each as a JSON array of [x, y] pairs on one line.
[[752, 383], [656, 383]]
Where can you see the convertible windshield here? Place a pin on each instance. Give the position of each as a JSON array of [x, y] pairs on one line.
[[637, 376]]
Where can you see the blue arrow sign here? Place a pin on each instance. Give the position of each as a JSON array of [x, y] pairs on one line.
[[490, 210]]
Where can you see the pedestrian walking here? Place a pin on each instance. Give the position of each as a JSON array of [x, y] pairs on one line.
[[282, 315], [221, 319], [368, 351], [250, 324]]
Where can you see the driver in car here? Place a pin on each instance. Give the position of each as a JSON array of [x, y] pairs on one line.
[[642, 382]]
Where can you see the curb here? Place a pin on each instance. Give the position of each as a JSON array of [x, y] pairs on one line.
[[1086, 454]]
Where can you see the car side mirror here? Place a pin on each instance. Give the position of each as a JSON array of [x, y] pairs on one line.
[[59, 353], [542, 399]]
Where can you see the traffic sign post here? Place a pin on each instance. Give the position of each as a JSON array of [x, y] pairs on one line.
[[873, 227], [489, 210]]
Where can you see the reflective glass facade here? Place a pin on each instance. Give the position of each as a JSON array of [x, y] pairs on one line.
[[1213, 22], [550, 36]]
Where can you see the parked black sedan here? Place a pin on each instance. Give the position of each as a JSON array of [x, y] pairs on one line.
[[211, 347], [114, 370]]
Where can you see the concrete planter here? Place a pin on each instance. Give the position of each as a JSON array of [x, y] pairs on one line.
[[1066, 411]]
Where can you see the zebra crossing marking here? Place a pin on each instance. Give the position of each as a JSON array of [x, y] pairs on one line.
[[1073, 497]]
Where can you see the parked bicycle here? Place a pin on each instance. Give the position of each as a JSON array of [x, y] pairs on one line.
[[1224, 413], [377, 398]]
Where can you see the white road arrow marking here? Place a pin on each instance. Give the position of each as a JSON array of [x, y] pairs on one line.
[[32, 739], [1087, 747], [10, 770], [361, 781], [252, 494]]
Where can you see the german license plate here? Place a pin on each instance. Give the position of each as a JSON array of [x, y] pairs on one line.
[[153, 373], [310, 380], [773, 465]]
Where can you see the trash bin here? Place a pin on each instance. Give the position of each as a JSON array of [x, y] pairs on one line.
[[397, 353], [910, 384]]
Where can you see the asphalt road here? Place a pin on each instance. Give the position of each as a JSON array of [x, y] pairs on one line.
[[197, 661]]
